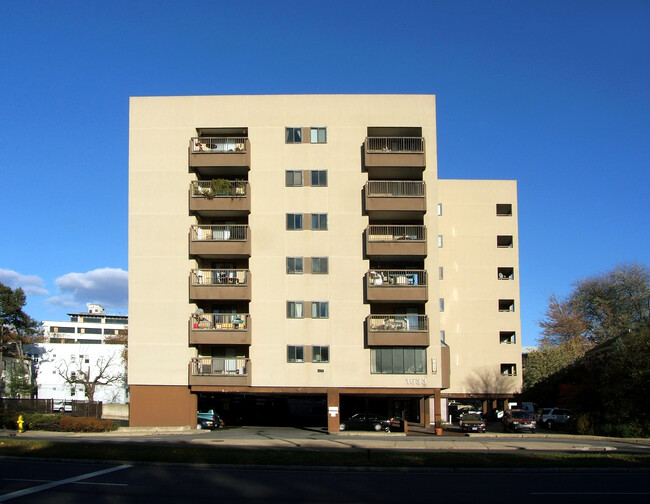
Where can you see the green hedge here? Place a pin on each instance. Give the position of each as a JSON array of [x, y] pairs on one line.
[[56, 423]]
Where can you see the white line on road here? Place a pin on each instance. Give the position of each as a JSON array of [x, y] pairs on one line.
[[47, 486]]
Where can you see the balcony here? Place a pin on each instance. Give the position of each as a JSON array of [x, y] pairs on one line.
[[220, 371], [220, 329], [392, 197], [220, 155], [397, 330], [392, 152], [206, 284], [219, 197], [396, 286], [393, 240], [225, 241]]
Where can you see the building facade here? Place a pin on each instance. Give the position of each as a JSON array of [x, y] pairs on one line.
[[90, 342], [297, 257]]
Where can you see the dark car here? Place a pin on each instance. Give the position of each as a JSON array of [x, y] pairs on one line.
[[208, 420], [519, 421], [472, 422], [363, 421]]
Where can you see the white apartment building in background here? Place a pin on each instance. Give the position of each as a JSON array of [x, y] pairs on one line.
[[82, 343]]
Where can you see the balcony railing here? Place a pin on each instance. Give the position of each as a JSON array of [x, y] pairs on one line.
[[226, 189], [401, 322], [215, 145], [220, 321], [219, 277], [219, 232], [396, 188], [211, 366], [385, 278], [390, 233], [394, 144]]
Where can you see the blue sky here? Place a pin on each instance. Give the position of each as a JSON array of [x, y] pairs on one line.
[[553, 94]]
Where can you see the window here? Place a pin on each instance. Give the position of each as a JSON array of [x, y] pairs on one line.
[[318, 135], [319, 265], [319, 221], [506, 305], [293, 178], [440, 241], [294, 221], [508, 369], [439, 208], [293, 135], [398, 360], [442, 304], [295, 353], [507, 337], [506, 273], [504, 209], [295, 309], [504, 241], [319, 309], [441, 273], [91, 330], [294, 265], [320, 354], [319, 178], [442, 336]]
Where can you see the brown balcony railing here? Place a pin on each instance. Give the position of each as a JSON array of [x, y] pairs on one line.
[[219, 277], [397, 278], [396, 188], [215, 145], [210, 366], [220, 321], [394, 144], [219, 232], [226, 189], [390, 233], [400, 322]]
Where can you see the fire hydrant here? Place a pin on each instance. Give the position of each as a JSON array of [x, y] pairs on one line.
[[20, 423]]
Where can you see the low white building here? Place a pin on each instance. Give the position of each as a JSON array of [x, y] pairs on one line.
[[90, 345]]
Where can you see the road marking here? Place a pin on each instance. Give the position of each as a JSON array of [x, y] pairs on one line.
[[54, 484], [76, 483]]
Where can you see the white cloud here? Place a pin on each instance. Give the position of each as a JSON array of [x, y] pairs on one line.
[[31, 284], [105, 286]]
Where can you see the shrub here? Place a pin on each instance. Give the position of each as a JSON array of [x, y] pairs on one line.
[[583, 424], [56, 423]]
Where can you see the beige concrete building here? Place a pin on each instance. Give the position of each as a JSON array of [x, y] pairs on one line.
[[295, 258]]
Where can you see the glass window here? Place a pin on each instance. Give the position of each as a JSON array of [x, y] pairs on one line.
[[319, 178], [441, 273], [318, 135], [320, 353], [442, 304], [439, 208], [294, 221], [440, 241], [294, 265], [320, 309], [293, 135], [293, 178], [295, 353], [319, 221], [398, 360], [295, 309], [319, 265]]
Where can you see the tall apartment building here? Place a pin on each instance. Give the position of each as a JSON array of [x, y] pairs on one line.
[[297, 255]]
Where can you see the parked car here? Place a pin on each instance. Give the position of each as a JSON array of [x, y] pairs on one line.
[[472, 422], [519, 421], [62, 406], [548, 417], [208, 420], [363, 421]]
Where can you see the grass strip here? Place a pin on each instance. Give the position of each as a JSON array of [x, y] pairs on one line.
[[135, 452]]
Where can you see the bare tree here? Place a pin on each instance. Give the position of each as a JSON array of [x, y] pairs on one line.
[[104, 372]]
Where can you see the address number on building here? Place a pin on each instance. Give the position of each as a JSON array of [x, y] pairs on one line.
[[416, 381]]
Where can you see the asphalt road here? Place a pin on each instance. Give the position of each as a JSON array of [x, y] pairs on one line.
[[59, 482]]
